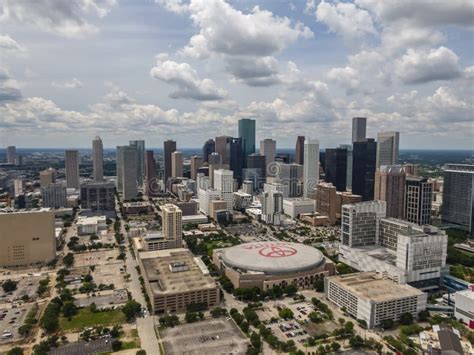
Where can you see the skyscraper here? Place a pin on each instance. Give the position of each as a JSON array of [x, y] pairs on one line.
[[268, 149], [196, 163], [139, 145], [208, 148], [387, 148], [221, 148], [168, 148], [418, 198], [247, 135], [224, 184], [71, 163], [359, 129], [54, 196], [299, 150], [171, 216], [311, 166], [363, 168], [272, 207], [150, 173], [11, 154], [236, 159], [215, 159], [176, 164], [47, 177], [348, 147], [129, 172], [458, 196], [257, 161], [336, 167], [97, 159], [390, 187]]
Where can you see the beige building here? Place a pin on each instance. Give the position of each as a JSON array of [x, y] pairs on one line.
[[176, 164], [174, 278], [390, 187], [216, 206], [196, 163], [326, 200], [172, 222], [28, 237], [47, 177], [345, 198]]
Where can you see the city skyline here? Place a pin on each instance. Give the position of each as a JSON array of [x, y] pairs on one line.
[[153, 72]]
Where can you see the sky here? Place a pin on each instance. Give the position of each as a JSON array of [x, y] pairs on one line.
[[188, 70]]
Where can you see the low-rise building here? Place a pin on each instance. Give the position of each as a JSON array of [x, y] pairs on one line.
[[373, 298], [295, 206], [155, 241], [195, 219], [174, 279], [138, 207], [443, 340], [464, 308], [242, 200], [91, 225]]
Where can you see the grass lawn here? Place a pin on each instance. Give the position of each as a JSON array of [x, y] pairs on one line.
[[86, 318]]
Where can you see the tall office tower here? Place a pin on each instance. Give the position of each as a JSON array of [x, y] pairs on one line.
[[458, 196], [18, 186], [359, 129], [196, 163], [363, 168], [411, 169], [311, 166], [224, 184], [139, 146], [257, 161], [54, 196], [97, 159], [268, 149], [360, 223], [247, 135], [290, 175], [208, 148], [236, 157], [127, 172], [221, 148], [387, 148], [215, 159], [272, 207], [177, 164], [247, 187], [169, 147], [47, 177], [348, 147], [11, 154], [152, 186], [98, 196], [299, 150], [171, 216], [418, 198], [71, 163], [390, 187], [27, 238], [336, 167], [326, 200]]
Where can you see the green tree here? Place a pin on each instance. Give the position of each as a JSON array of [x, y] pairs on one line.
[[285, 313], [319, 285], [290, 290], [116, 345], [406, 318], [15, 351], [356, 342], [190, 317], [256, 340], [335, 346], [68, 260], [69, 309], [9, 285], [423, 315], [131, 309], [140, 352]]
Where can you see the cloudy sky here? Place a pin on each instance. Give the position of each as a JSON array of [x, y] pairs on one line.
[[188, 70]]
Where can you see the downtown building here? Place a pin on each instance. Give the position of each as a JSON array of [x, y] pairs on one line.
[[127, 183], [387, 148], [247, 135], [311, 166], [97, 159], [336, 167], [390, 187], [268, 149], [169, 147], [71, 163], [98, 196], [363, 168], [207, 149], [418, 200], [54, 195], [272, 207]]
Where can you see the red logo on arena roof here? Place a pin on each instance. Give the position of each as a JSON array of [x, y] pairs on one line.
[[277, 251]]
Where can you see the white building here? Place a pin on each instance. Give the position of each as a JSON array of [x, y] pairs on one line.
[[91, 225], [464, 307], [242, 200], [18, 186], [224, 184], [171, 216], [205, 197], [387, 148], [311, 166], [272, 207], [372, 298], [297, 205], [277, 187]]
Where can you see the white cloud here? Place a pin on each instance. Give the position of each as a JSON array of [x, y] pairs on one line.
[[345, 19], [261, 71], [346, 77], [74, 83], [187, 80], [424, 66], [65, 18], [9, 44], [9, 90]]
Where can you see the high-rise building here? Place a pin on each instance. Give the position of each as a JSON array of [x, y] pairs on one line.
[[299, 150], [221, 148], [345, 198], [18, 186], [268, 149], [27, 238], [171, 216], [458, 196], [326, 201], [387, 148], [236, 157], [272, 207], [224, 184], [71, 163], [214, 158], [418, 198], [359, 129], [47, 177], [98, 196], [97, 159], [390, 187], [196, 163], [208, 148], [177, 164], [127, 172], [11, 154], [54, 195], [257, 161], [139, 145], [247, 135], [290, 175], [152, 186], [311, 166], [348, 148], [336, 167], [363, 168], [169, 147]]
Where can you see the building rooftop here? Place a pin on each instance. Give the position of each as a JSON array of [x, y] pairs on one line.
[[164, 280], [371, 286], [136, 204]]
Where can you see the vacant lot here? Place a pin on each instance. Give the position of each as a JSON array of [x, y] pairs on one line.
[[86, 318]]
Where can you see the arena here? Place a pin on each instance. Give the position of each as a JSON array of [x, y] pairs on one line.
[[267, 264]]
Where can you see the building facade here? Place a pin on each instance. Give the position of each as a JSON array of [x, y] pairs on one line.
[[54, 196], [224, 184], [97, 159], [363, 168], [177, 164], [390, 187], [71, 163], [98, 196], [359, 129], [247, 135], [169, 147], [387, 148], [172, 223], [268, 149], [311, 166], [336, 168], [418, 200]]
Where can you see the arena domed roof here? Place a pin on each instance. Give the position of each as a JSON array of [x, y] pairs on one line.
[[272, 257]]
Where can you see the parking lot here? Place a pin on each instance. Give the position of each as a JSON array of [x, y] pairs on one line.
[[84, 348], [216, 336], [94, 258], [110, 273], [26, 286], [103, 299], [10, 320]]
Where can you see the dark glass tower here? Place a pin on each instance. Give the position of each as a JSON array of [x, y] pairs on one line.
[[299, 150], [168, 148], [236, 157], [335, 167], [247, 134], [208, 148], [363, 168]]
